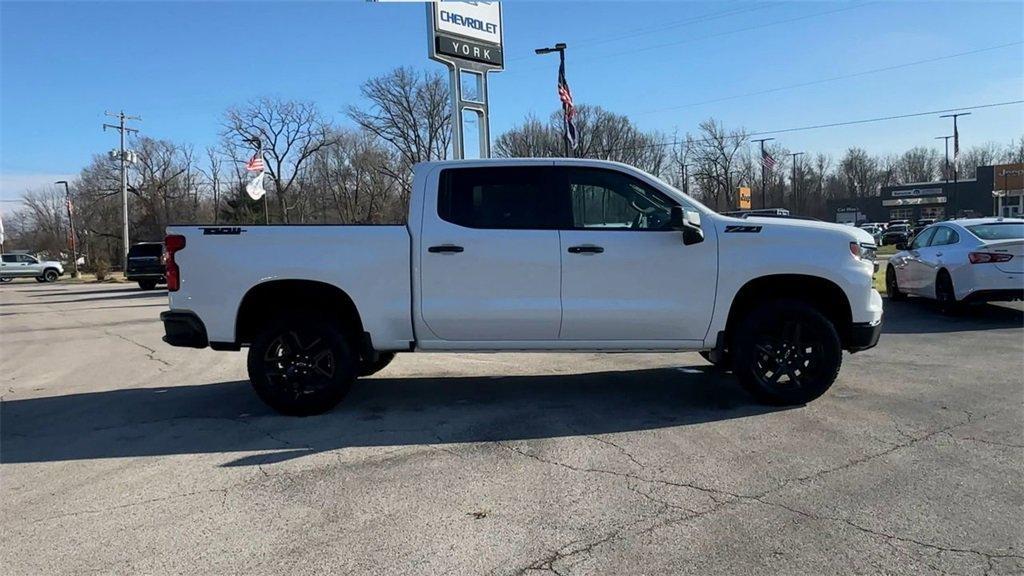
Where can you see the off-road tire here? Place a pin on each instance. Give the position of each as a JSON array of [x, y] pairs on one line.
[[300, 382], [786, 338]]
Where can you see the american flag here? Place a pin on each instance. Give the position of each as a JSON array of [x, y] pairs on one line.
[[255, 164], [565, 95], [767, 161]]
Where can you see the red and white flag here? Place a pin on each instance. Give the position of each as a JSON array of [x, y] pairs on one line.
[[767, 161], [255, 164]]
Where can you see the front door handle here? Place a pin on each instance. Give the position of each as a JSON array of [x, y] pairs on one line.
[[585, 249], [445, 249]]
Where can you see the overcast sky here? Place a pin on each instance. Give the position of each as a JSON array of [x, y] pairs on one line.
[[668, 65]]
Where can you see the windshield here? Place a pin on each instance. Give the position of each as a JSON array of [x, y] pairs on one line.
[[998, 230], [146, 250]]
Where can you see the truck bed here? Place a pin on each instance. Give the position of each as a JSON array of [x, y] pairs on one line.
[[220, 264]]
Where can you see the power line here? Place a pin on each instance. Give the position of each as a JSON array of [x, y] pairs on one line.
[[820, 126], [835, 78], [706, 36], [668, 26]]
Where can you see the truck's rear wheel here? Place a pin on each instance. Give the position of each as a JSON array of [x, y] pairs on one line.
[[383, 359], [301, 366], [147, 284], [787, 353]]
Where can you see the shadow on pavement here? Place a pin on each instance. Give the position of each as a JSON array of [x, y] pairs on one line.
[[227, 417], [920, 316], [128, 296], [121, 290]]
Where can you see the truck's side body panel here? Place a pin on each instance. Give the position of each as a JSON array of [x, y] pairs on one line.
[[370, 263]]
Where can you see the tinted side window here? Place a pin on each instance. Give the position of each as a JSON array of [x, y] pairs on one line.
[[10, 258], [610, 200], [146, 250], [922, 239], [504, 197], [943, 236]]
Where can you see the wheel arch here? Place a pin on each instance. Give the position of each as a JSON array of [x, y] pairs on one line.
[[821, 293], [271, 299]]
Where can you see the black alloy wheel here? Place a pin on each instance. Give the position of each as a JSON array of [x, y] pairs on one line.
[[788, 353], [945, 294], [301, 367], [50, 275], [892, 287]]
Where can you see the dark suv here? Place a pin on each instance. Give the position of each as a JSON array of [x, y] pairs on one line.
[[146, 264]]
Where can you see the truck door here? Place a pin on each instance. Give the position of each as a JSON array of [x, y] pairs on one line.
[[625, 274], [489, 262]]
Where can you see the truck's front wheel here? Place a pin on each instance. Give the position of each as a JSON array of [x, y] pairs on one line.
[[301, 366], [787, 353]]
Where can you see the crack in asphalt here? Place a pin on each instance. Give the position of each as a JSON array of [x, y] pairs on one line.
[[547, 562], [150, 352]]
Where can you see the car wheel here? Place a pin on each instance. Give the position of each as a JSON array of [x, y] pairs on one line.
[[51, 275], [370, 368], [147, 284], [6, 280], [945, 294], [892, 287], [301, 366], [40, 279], [787, 353]]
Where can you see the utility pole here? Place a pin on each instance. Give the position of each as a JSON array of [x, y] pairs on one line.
[[120, 127], [560, 48], [945, 171], [792, 180], [764, 171], [956, 160], [686, 179], [71, 226]]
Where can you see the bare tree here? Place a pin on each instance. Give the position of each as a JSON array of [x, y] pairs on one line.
[[411, 113], [290, 133]]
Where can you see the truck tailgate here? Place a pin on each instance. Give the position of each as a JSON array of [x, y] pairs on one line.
[[220, 264]]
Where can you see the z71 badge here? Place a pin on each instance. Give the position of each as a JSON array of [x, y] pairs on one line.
[[222, 231], [738, 228]]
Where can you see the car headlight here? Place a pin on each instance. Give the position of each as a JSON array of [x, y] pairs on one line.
[[863, 251]]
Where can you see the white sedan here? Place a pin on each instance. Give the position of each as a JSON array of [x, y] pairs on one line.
[[959, 261]]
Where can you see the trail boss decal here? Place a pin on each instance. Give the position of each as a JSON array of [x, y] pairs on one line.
[[222, 231], [739, 228]]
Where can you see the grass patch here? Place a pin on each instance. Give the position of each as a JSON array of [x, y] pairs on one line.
[[888, 250], [879, 279]]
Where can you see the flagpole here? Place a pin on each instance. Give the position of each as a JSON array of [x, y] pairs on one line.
[[266, 209], [956, 160]]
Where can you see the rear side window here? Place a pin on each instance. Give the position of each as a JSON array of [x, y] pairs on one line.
[[146, 250], [998, 231], [512, 198]]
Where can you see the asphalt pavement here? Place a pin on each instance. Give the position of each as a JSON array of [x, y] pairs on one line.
[[122, 455]]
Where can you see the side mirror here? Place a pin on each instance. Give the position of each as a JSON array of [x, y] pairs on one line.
[[687, 222]]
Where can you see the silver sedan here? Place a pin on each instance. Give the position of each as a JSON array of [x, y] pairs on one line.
[[959, 261]]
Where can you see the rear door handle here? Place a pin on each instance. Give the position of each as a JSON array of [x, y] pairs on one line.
[[585, 249], [445, 249]]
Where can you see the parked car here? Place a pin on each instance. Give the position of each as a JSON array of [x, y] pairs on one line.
[[896, 234], [27, 266], [975, 260], [526, 254], [146, 264], [875, 231]]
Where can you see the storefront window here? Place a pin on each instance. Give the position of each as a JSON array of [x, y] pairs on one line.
[[901, 213], [936, 212]]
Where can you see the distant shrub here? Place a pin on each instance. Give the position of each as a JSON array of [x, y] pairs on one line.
[[101, 269]]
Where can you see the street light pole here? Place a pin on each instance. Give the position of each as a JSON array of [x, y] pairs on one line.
[[956, 160], [796, 197], [560, 48], [71, 226], [945, 171], [764, 203]]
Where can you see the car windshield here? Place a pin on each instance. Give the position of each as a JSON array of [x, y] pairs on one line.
[[998, 230]]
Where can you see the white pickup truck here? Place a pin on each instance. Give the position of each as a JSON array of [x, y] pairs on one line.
[[527, 254]]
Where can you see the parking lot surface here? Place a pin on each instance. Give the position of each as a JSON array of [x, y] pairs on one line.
[[122, 455]]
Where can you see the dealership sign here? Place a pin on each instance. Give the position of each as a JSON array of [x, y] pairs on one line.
[[469, 31], [917, 192]]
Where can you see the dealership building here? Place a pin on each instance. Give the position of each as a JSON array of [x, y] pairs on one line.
[[995, 190]]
